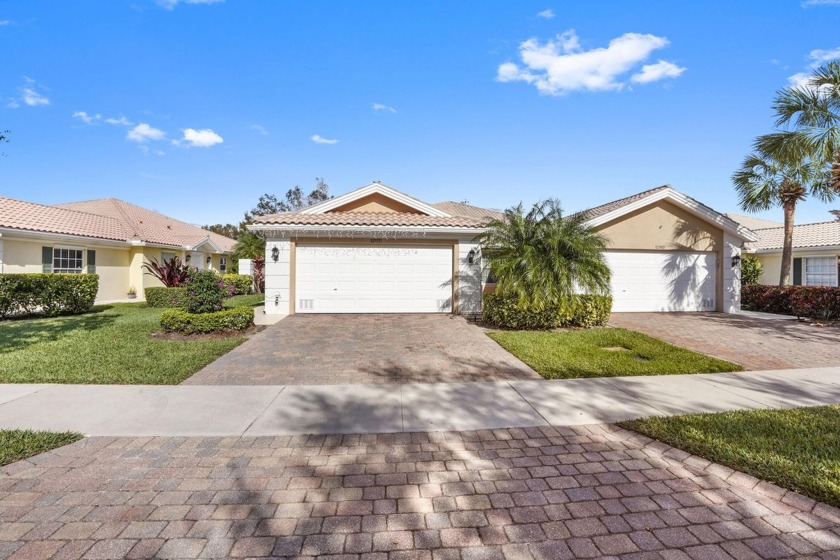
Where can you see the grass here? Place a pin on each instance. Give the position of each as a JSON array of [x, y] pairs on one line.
[[251, 300], [16, 445], [603, 352], [109, 345], [798, 449]]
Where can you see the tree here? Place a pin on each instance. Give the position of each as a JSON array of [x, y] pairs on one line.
[[4, 138], [765, 181], [542, 258], [750, 270], [294, 201], [228, 230]]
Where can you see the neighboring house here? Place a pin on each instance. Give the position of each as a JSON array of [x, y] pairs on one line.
[[377, 250], [109, 237]]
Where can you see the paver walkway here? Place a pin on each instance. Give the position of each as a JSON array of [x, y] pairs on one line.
[[754, 340], [537, 493], [180, 410], [385, 348]]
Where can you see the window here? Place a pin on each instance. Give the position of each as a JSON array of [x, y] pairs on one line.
[[67, 261], [222, 264], [820, 271], [166, 256]]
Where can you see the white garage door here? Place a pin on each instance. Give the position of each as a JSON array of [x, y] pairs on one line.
[[678, 281], [373, 279]]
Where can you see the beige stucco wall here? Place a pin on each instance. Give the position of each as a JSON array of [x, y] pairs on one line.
[[376, 203], [113, 271], [771, 263], [21, 257], [662, 226]]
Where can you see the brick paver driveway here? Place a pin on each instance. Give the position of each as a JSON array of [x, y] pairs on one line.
[[547, 493], [755, 342], [337, 349]]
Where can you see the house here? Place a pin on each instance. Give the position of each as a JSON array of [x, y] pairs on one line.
[[378, 250], [109, 237], [816, 253]]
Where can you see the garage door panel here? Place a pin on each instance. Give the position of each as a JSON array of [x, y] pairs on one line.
[[373, 279], [674, 281]]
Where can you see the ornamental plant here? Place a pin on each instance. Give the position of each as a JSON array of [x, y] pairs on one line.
[[172, 273], [205, 292]]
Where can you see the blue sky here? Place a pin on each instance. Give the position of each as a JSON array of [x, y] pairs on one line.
[[195, 108]]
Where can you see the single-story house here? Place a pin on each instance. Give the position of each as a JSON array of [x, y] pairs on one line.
[[378, 250], [816, 252], [109, 237]]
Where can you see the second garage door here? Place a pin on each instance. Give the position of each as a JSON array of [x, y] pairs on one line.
[[674, 281], [373, 279]]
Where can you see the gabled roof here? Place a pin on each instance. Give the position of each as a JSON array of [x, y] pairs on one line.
[[820, 234], [374, 188], [468, 210], [22, 215], [610, 211], [752, 222]]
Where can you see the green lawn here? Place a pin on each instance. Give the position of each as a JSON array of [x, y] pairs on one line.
[[798, 449], [109, 345], [20, 444], [251, 300], [603, 352]]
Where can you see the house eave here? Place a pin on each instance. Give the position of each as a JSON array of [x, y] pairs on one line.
[[281, 230], [375, 188]]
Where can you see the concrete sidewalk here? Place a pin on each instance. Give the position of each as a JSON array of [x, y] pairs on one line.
[[136, 410]]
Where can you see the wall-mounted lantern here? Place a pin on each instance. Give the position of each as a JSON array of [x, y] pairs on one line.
[[736, 261], [209, 259], [275, 253], [471, 256], [188, 258]]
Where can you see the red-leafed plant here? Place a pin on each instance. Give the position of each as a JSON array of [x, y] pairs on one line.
[[172, 273], [259, 275]]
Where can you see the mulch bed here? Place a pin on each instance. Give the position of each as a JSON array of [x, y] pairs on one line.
[[250, 331]]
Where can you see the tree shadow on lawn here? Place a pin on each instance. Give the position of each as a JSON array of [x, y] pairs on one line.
[[22, 332]]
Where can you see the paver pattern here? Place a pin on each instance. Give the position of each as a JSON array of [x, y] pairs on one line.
[[386, 348], [754, 342], [547, 493]]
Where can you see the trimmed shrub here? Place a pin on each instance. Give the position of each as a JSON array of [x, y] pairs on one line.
[[205, 292], [165, 297], [47, 294], [821, 303], [768, 299], [184, 322], [580, 311], [750, 270], [238, 284]]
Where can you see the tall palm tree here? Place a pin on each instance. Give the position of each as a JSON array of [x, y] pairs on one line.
[[764, 181], [542, 258]]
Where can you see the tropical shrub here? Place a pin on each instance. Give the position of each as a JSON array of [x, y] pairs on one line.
[[768, 299], [172, 273], [821, 303], [205, 292], [505, 310], [166, 297], [238, 284], [184, 322], [47, 294], [750, 270]]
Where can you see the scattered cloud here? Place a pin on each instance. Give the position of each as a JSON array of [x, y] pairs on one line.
[[144, 133], [5, 22], [121, 121], [259, 128], [85, 118], [821, 3], [562, 65], [171, 4], [655, 72], [546, 14], [204, 138], [817, 58], [29, 95], [318, 139], [382, 107]]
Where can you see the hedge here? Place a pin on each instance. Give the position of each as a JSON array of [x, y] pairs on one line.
[[814, 302], [165, 297], [241, 283], [181, 321], [581, 311], [47, 294]]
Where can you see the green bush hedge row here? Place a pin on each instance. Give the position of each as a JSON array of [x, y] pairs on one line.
[[580, 311], [47, 294], [814, 302], [181, 321], [241, 283], [165, 297]]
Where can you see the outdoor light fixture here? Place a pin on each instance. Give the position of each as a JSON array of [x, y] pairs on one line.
[[736, 261], [471, 256], [209, 259], [187, 259], [275, 253], [276, 299]]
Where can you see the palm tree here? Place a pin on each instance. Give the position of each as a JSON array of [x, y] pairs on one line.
[[542, 258], [764, 181]]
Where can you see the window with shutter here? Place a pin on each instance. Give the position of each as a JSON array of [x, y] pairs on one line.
[[47, 259], [91, 262], [797, 272]]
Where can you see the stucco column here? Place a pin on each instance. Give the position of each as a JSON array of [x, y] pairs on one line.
[[731, 275], [277, 279], [469, 279]]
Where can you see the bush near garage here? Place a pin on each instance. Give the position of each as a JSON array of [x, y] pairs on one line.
[[239, 284], [183, 322], [205, 292], [49, 295], [579, 311], [165, 297], [821, 303], [750, 270]]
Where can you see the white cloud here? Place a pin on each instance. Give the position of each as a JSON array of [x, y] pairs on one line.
[[382, 107], [318, 139], [659, 71], [203, 138], [170, 4], [33, 98], [259, 128], [144, 133], [121, 121], [5, 22], [85, 118], [817, 57], [562, 65], [821, 3], [29, 95], [546, 14]]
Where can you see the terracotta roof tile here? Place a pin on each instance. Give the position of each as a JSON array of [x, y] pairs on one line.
[[821, 234], [603, 209], [461, 209], [18, 214]]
